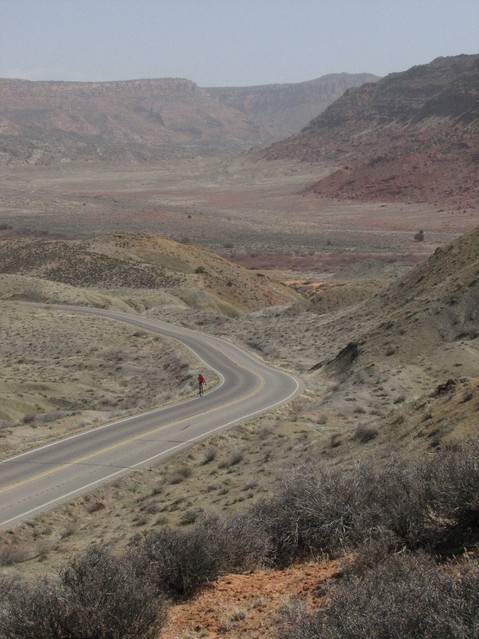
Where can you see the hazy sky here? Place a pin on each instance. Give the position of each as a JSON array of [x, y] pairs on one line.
[[228, 42]]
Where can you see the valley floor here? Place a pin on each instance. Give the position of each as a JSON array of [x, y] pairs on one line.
[[251, 212]]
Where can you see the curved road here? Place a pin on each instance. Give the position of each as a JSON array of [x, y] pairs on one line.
[[44, 477]]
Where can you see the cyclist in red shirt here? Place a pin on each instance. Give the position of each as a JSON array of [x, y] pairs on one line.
[[201, 383]]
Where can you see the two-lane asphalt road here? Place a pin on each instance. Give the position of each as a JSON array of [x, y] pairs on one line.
[[42, 478]]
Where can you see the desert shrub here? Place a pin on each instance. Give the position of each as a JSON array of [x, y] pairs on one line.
[[296, 622], [7, 584], [189, 516], [13, 553], [52, 416], [246, 543], [363, 434], [37, 611], [419, 236], [232, 459], [200, 269], [96, 597], [94, 506], [314, 512], [399, 502], [178, 562], [181, 473], [431, 504], [335, 440], [372, 552], [454, 479], [181, 562], [209, 456], [407, 596]]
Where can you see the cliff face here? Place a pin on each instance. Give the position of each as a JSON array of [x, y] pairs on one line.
[[412, 135], [283, 109], [43, 122]]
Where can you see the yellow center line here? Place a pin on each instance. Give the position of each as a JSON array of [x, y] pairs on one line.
[[129, 440]]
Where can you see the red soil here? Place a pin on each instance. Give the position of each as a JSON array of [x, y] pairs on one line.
[[246, 605]]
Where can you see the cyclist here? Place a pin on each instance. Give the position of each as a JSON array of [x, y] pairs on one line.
[[201, 383]]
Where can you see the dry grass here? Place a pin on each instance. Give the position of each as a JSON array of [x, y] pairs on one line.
[[60, 373], [152, 497]]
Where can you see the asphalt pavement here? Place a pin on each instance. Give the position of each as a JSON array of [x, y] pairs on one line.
[[40, 479]]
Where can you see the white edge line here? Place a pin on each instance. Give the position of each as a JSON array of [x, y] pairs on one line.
[[166, 326], [136, 415], [145, 461]]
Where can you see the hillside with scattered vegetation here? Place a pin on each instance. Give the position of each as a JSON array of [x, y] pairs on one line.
[[132, 262]]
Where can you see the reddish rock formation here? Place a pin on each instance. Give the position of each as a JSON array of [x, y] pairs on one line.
[[410, 136], [45, 122]]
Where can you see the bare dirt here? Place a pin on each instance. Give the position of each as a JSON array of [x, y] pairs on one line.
[[247, 605]]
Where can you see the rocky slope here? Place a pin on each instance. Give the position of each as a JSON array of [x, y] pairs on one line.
[[413, 347], [44, 122], [411, 136]]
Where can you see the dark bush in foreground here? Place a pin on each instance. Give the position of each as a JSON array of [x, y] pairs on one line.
[[405, 597], [96, 597], [180, 562], [317, 511], [432, 504], [313, 512], [379, 510]]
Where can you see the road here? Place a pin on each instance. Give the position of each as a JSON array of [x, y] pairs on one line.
[[40, 479]]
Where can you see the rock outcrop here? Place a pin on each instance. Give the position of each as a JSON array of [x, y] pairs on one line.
[[411, 136]]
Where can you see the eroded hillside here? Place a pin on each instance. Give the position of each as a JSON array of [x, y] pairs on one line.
[[128, 263], [140, 120], [284, 109], [412, 136]]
